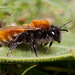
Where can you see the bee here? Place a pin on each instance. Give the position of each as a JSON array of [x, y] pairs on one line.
[[38, 31]]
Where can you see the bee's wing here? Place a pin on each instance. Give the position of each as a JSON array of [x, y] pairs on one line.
[[25, 27]]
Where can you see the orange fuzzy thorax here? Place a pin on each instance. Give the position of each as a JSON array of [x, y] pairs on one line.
[[41, 24]]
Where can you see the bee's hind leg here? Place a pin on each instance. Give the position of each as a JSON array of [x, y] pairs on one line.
[[18, 40]]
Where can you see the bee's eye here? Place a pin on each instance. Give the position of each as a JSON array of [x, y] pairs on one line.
[[53, 32]]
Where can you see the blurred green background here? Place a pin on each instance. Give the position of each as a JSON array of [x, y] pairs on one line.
[[18, 12]]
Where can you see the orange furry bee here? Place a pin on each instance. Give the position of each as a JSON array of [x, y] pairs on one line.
[[37, 31]]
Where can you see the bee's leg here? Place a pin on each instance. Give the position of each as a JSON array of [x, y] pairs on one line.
[[50, 45], [46, 43], [42, 45], [18, 40], [12, 47], [34, 47]]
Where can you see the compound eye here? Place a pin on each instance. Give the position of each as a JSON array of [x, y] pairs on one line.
[[53, 32]]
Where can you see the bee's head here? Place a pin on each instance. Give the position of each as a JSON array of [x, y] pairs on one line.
[[55, 32]]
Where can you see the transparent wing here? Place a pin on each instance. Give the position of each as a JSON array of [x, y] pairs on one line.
[[25, 27]]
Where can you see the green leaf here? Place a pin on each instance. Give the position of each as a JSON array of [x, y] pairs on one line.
[[24, 53]]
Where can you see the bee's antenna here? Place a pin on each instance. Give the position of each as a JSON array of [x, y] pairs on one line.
[[66, 23], [63, 30]]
